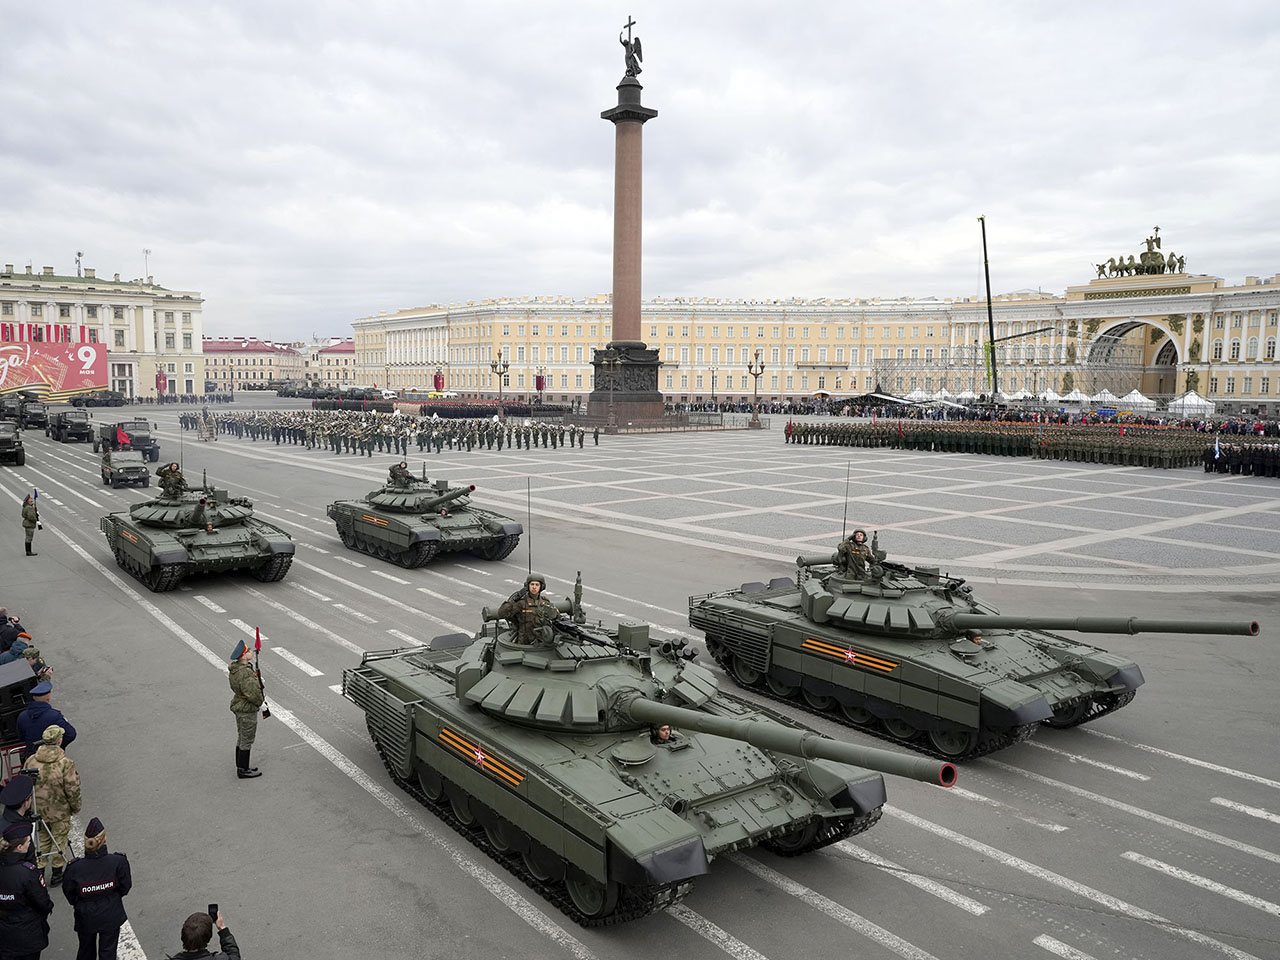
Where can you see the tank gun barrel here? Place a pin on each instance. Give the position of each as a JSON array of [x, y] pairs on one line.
[[816, 559], [1129, 625], [797, 743], [436, 502], [198, 514]]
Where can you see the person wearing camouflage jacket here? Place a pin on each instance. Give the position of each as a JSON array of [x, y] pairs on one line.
[[57, 796], [247, 696]]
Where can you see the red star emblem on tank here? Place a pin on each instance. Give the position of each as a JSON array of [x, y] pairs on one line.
[[480, 757], [850, 656]]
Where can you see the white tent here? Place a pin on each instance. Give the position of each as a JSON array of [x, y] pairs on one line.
[[941, 394], [966, 394], [917, 395], [1017, 395], [1191, 404], [1104, 398], [1075, 396], [1133, 400], [1051, 396]]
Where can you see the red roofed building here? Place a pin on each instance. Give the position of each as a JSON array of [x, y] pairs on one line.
[[338, 363], [245, 363]]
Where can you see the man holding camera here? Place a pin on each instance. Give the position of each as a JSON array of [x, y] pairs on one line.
[[198, 931], [24, 902]]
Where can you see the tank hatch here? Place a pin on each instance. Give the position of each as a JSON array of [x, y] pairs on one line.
[[192, 510]]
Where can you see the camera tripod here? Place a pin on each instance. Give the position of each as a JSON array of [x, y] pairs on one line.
[[42, 830]]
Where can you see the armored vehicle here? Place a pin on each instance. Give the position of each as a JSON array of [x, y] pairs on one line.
[[915, 656], [410, 520], [121, 467], [69, 423], [548, 743], [11, 449], [34, 414], [185, 531], [135, 433]]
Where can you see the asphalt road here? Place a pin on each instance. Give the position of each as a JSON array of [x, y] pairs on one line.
[[1149, 834]]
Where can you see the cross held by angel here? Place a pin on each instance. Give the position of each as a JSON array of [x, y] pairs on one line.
[[634, 54]]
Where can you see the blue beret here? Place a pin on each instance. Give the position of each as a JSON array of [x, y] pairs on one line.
[[238, 652], [41, 688], [15, 792]]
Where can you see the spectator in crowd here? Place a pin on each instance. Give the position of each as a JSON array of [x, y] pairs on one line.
[[39, 715], [198, 931]]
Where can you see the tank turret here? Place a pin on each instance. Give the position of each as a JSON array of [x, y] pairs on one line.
[[610, 761], [435, 503], [913, 654]]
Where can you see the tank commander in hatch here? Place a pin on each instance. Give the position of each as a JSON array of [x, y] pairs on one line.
[[663, 734], [529, 612], [854, 555], [172, 483], [400, 475]]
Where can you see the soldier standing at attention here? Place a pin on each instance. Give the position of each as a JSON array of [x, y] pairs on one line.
[[528, 610], [30, 521], [24, 902], [57, 796], [95, 886], [247, 697]]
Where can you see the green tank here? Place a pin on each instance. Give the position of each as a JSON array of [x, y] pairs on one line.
[[411, 520], [185, 532], [914, 656], [549, 754]]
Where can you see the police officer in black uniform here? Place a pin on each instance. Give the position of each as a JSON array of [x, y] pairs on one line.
[[95, 887], [16, 799], [24, 902]]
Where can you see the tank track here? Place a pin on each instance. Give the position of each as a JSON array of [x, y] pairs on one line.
[[632, 905], [418, 555], [1101, 707], [160, 579], [500, 550], [989, 741], [831, 833], [275, 568]]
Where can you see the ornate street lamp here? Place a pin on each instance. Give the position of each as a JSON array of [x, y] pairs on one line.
[[500, 368], [756, 369]]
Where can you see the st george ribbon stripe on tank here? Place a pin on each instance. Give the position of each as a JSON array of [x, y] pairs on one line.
[[479, 757], [849, 655]]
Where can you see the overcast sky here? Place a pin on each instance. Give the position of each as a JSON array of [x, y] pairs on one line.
[[302, 164]]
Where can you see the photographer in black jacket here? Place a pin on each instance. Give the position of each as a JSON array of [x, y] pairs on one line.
[[95, 887]]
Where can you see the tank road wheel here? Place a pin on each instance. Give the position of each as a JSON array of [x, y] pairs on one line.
[[856, 713], [499, 549], [407, 558], [348, 540], [953, 743], [460, 804], [780, 689], [500, 835], [543, 865], [744, 673], [817, 702], [795, 842], [592, 898], [900, 729], [431, 783], [1068, 715]]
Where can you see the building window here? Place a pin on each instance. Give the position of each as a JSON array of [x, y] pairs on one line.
[[1235, 349], [1248, 385], [577, 380], [1251, 352], [1236, 321], [186, 341], [1219, 322], [1265, 386], [117, 313], [186, 316], [93, 336], [37, 310], [168, 341], [168, 316], [64, 310], [1271, 348], [186, 368], [119, 334], [6, 309], [1217, 349], [1231, 385], [670, 380]]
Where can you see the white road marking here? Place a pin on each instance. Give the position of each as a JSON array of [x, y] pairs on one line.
[[311, 546], [1114, 904], [1242, 808], [890, 941], [1012, 811], [336, 688], [715, 934], [469, 586], [509, 897], [61, 504], [241, 625], [387, 576], [354, 563], [483, 573], [406, 638], [363, 617], [298, 662], [1144, 814], [1058, 948], [441, 596], [383, 597], [306, 622], [208, 603], [1077, 758], [307, 590], [1204, 883], [1252, 778], [296, 513], [71, 490], [939, 890]]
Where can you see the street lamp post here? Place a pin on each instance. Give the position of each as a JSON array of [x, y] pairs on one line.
[[714, 368], [612, 360], [500, 368], [756, 369]]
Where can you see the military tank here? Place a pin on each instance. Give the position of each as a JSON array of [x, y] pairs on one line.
[[411, 520], [549, 753], [184, 531], [914, 656]]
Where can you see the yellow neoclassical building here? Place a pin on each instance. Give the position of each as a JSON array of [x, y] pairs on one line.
[[1161, 333]]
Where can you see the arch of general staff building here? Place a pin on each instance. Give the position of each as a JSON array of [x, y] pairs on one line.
[[1161, 334]]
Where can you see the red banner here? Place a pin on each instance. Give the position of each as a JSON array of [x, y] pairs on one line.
[[56, 371]]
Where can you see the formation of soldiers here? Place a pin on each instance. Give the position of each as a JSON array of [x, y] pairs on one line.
[[1133, 446], [361, 433], [1258, 459]]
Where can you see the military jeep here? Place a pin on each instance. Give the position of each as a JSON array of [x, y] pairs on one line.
[[124, 467], [11, 449]]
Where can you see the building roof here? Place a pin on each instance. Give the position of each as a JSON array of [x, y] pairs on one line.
[[244, 345], [345, 346]]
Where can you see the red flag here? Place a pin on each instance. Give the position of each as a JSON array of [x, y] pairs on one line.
[[899, 429], [1122, 431], [121, 436]]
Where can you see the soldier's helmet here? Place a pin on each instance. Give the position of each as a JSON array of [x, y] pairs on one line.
[[542, 581], [404, 463], [854, 536]]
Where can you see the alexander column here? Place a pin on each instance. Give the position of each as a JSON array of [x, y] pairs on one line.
[[626, 371]]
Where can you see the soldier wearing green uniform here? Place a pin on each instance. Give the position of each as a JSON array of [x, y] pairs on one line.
[[30, 521], [247, 697], [57, 798], [528, 610]]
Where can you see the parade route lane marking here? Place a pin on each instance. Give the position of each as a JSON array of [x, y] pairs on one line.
[[298, 662]]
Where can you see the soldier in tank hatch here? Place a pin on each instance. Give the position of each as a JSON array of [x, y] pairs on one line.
[[855, 555], [529, 611]]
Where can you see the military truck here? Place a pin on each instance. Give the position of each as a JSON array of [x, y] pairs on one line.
[[121, 467], [33, 414], [10, 408], [137, 432], [69, 424], [11, 450]]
